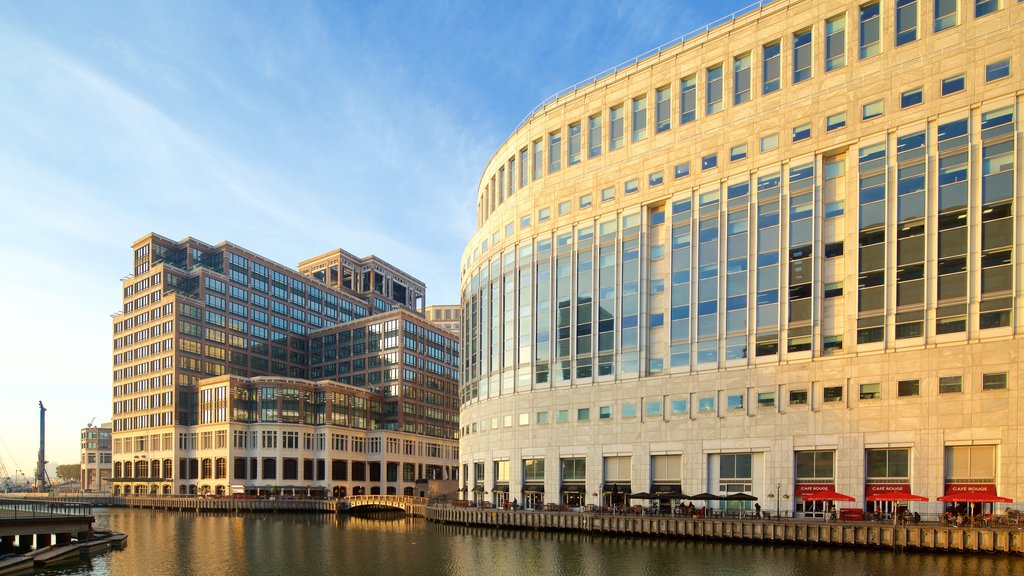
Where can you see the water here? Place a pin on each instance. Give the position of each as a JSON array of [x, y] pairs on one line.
[[175, 543]]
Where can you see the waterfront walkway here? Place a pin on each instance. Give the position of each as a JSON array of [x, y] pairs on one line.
[[807, 532], [27, 523]]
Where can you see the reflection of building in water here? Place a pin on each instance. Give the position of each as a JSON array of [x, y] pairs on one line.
[[233, 373], [394, 522], [779, 258]]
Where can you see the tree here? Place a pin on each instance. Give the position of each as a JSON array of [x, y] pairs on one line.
[[69, 472]]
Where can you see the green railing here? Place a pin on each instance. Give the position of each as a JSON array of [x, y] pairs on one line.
[[14, 508]]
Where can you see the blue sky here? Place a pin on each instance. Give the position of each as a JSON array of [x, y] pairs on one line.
[[289, 128]]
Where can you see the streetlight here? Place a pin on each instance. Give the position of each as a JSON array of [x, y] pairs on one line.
[[778, 498]]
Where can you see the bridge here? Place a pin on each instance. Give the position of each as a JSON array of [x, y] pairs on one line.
[[411, 505], [40, 521]]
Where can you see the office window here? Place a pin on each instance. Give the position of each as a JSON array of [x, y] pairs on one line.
[[734, 402], [586, 200], [802, 69], [679, 408], [870, 30], [631, 186], [607, 194], [709, 161], [562, 416], [652, 409], [801, 132], [952, 85], [985, 7], [738, 152], [604, 413], [835, 43], [741, 79], [583, 414], [997, 70], [688, 99], [771, 67], [682, 170], [870, 391], [564, 207], [906, 21], [798, 397], [544, 214], [629, 410], [911, 97], [538, 156], [766, 399], [945, 14], [542, 417], [706, 405], [714, 90], [655, 178], [663, 109], [908, 388], [616, 128], [873, 110], [594, 135], [639, 118], [832, 394], [951, 384], [769, 142], [554, 152], [993, 381], [835, 121], [575, 143]]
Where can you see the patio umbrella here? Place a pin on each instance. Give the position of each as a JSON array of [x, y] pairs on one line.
[[740, 496], [641, 496], [705, 496]]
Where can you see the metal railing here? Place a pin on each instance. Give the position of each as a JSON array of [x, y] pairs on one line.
[[637, 59], [17, 508]]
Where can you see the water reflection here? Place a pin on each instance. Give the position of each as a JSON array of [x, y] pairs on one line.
[[173, 543]]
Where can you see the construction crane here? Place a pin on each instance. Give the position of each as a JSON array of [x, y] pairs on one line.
[[8, 484], [89, 425], [42, 480]]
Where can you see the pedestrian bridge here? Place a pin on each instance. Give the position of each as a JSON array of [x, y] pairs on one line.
[[412, 505]]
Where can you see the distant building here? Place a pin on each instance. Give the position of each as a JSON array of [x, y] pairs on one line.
[[447, 316], [224, 360], [96, 458]]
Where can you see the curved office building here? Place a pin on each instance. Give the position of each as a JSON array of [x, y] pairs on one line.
[[781, 257]]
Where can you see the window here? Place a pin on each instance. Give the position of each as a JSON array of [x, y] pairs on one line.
[[655, 178], [873, 109], [802, 56], [680, 407], [604, 412], [631, 186], [652, 409], [738, 152], [870, 30], [771, 67], [554, 152], [997, 70], [833, 394], [908, 388], [586, 200], [951, 384], [985, 7], [766, 399], [688, 99], [564, 207], [594, 135], [734, 402], [607, 194], [769, 142], [798, 397], [801, 132], [538, 159], [561, 416], [952, 85], [833, 289], [682, 170], [524, 222], [993, 381], [662, 109], [835, 43], [639, 118], [544, 214], [887, 464], [616, 129], [741, 79], [870, 391], [706, 405], [542, 417], [713, 90], [575, 143], [709, 161], [835, 121], [906, 21], [583, 414], [629, 410], [945, 14], [911, 98]]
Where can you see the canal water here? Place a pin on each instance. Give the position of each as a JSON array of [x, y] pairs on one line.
[[187, 544]]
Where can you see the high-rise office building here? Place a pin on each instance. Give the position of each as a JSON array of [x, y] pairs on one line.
[[223, 359], [96, 461], [447, 316], [780, 257]]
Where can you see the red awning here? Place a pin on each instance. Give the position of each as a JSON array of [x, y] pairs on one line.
[[972, 493], [828, 495], [896, 497]]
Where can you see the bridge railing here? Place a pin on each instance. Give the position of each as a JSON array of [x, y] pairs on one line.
[[385, 500], [19, 508]]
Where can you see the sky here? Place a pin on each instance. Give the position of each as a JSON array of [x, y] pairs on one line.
[[288, 128]]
